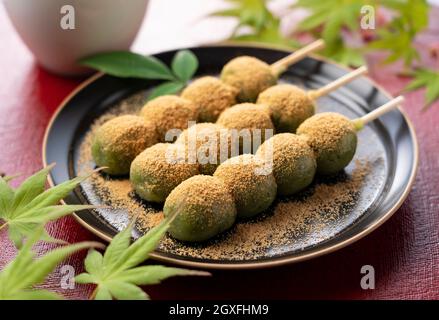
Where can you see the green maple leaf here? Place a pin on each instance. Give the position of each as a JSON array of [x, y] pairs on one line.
[[334, 17], [397, 42], [345, 55], [413, 13], [18, 278], [29, 206], [428, 79], [116, 274], [397, 38], [261, 24], [249, 12]]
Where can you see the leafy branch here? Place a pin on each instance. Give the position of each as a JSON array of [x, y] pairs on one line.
[[337, 22], [116, 273], [127, 64]]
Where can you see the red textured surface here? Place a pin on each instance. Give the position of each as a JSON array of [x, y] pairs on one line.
[[404, 251]]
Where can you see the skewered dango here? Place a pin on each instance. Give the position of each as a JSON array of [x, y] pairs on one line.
[[250, 76], [333, 136], [290, 105]]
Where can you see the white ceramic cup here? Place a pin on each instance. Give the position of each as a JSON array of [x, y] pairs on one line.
[[100, 25]]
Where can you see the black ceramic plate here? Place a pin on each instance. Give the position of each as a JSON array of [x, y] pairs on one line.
[[389, 145]]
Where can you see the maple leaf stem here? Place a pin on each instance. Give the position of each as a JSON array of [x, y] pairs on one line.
[[93, 294], [3, 225]]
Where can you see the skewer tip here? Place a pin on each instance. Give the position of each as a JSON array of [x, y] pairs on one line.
[[281, 65], [359, 123]]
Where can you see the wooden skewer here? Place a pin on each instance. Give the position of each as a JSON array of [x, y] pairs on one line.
[[389, 106], [281, 65], [323, 91]]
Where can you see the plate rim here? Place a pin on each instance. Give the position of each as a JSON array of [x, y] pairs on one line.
[[251, 264]]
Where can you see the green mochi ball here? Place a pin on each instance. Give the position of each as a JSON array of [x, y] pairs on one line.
[[249, 75], [203, 207], [159, 169], [333, 138], [118, 141]]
